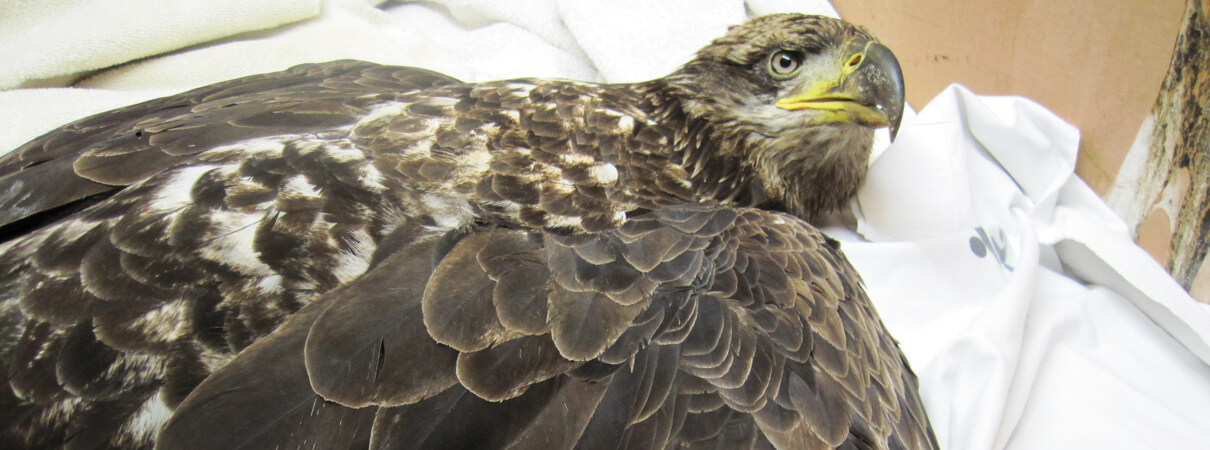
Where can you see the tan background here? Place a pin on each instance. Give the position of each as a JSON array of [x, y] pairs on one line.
[[1098, 64]]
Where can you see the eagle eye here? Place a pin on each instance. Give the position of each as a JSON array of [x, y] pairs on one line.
[[784, 63]]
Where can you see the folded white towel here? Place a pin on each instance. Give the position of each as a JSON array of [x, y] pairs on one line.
[[51, 38]]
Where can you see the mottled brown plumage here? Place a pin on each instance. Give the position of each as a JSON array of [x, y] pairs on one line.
[[348, 254]]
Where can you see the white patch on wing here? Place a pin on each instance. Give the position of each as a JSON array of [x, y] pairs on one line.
[[560, 185], [625, 124], [299, 186], [439, 100], [448, 212], [13, 191], [262, 147], [475, 162], [145, 425], [393, 216], [177, 193], [353, 262], [603, 174], [232, 238], [370, 178], [270, 284], [423, 147], [383, 110], [343, 152], [557, 221], [576, 159], [167, 322]]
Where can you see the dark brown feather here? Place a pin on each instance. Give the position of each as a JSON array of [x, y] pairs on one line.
[[370, 346], [458, 419], [505, 371], [458, 301]]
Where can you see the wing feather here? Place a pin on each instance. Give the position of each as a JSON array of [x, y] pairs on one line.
[[458, 302], [520, 297], [371, 347], [585, 324], [505, 371], [563, 424], [457, 418], [32, 371], [59, 300]]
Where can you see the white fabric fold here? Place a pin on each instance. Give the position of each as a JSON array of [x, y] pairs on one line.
[[1031, 317], [51, 38]]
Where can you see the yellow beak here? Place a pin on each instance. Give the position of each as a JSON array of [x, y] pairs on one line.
[[837, 108], [867, 91]]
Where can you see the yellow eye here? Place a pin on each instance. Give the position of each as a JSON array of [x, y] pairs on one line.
[[784, 63]]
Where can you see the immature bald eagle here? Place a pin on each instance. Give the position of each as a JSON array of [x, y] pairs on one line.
[[350, 254]]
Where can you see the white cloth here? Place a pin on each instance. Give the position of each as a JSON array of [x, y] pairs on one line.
[[1031, 317], [1063, 334], [50, 38]]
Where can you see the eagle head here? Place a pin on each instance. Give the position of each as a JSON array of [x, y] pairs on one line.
[[793, 101]]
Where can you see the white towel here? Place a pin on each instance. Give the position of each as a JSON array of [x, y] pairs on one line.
[[42, 39], [1031, 317]]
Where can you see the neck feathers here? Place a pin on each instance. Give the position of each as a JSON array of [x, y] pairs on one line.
[[807, 171]]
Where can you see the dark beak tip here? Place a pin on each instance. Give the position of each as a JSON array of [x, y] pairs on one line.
[[891, 91]]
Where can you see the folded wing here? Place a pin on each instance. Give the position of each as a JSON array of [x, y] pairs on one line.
[[698, 326]]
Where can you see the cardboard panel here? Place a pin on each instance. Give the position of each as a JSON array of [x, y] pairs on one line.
[[1097, 64]]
